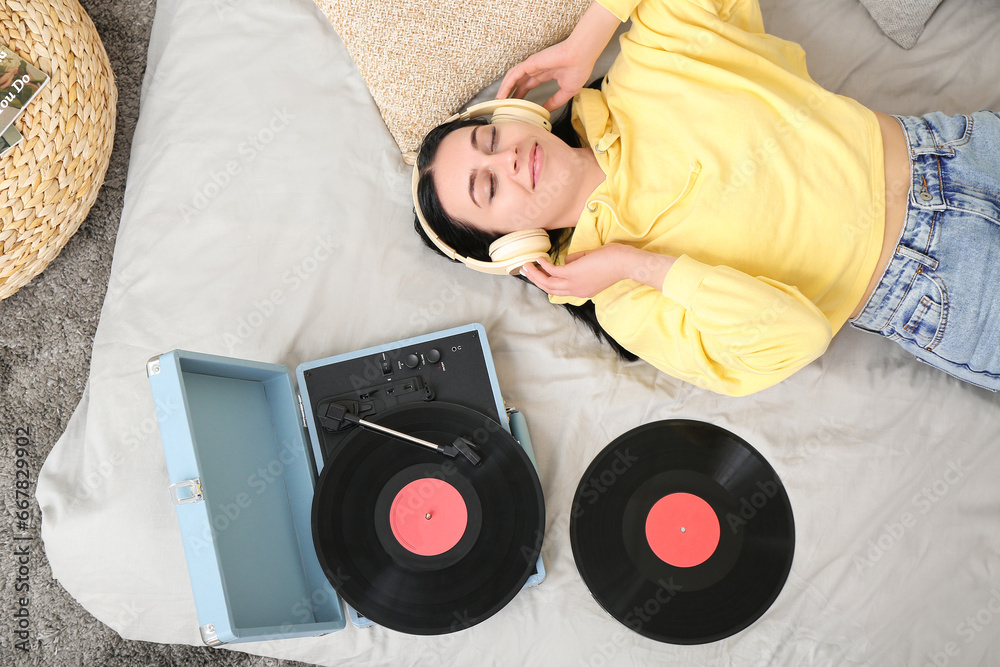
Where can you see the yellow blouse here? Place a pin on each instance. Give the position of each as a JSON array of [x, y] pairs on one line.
[[718, 148]]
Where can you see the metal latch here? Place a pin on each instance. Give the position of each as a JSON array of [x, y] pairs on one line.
[[209, 636], [192, 486]]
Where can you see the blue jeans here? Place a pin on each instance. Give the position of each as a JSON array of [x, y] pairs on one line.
[[939, 297]]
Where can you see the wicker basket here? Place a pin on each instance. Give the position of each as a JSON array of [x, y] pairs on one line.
[[50, 180]]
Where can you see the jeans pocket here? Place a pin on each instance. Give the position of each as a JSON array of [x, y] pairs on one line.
[[925, 324]]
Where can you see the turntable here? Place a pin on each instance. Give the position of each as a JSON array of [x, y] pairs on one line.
[[395, 480]]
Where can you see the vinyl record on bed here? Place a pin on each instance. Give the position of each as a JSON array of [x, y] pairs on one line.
[[682, 531], [422, 543]]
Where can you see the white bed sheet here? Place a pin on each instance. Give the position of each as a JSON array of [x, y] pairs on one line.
[[267, 216]]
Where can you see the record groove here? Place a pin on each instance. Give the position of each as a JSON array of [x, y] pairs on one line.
[[402, 590], [702, 603]]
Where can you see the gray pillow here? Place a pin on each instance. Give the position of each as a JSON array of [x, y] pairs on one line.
[[901, 20]]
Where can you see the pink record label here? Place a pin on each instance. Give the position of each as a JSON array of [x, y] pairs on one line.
[[428, 516], [682, 530]]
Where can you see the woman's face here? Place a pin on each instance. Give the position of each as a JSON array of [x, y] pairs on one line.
[[508, 177]]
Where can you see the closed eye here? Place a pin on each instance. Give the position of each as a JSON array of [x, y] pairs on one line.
[[472, 176], [493, 149]]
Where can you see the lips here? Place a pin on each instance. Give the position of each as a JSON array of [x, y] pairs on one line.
[[536, 166]]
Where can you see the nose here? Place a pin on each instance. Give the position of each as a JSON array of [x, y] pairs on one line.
[[507, 161]]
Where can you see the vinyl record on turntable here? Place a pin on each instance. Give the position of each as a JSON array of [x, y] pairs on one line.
[[422, 543], [682, 532]]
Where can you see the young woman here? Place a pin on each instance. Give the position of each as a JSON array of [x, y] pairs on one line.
[[726, 215]]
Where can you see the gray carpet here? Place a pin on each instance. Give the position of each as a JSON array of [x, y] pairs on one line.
[[46, 333]]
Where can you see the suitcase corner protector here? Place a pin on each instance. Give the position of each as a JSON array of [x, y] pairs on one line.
[[209, 636]]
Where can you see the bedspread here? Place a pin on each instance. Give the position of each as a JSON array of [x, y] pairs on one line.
[[267, 216]]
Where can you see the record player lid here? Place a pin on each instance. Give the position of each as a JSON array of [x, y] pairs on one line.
[[239, 466]]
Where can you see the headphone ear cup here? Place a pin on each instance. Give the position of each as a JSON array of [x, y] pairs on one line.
[[530, 113], [519, 248]]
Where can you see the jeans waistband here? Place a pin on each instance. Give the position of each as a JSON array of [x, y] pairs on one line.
[[925, 164], [923, 199]]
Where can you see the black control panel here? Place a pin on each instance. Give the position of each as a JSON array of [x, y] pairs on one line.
[[451, 368]]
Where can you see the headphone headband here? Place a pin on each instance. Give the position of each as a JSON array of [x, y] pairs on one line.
[[512, 251]]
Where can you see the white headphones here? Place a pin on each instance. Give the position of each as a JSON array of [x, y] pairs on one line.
[[512, 251]]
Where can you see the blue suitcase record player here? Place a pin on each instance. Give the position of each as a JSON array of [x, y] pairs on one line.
[[394, 480]]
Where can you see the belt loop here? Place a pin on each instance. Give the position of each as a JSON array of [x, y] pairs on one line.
[[917, 256]]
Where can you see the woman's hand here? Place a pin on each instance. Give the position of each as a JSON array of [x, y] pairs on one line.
[[560, 62], [570, 62], [585, 274]]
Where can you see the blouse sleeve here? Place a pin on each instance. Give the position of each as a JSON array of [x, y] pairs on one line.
[[716, 327], [656, 14]]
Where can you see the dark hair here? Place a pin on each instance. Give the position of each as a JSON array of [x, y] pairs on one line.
[[471, 242]]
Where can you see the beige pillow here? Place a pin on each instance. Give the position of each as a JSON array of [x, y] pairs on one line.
[[424, 59]]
